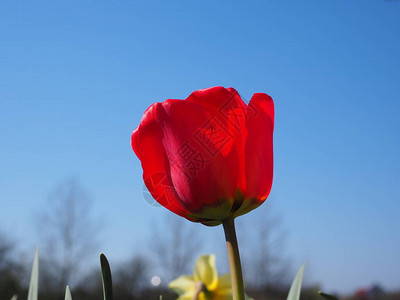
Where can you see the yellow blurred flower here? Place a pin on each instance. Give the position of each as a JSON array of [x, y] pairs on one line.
[[204, 284]]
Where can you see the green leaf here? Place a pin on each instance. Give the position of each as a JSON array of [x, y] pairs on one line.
[[67, 293], [295, 288], [34, 283], [15, 297], [106, 278], [327, 296]]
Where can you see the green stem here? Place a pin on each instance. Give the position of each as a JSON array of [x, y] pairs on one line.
[[234, 259]]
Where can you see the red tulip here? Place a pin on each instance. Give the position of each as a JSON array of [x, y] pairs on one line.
[[208, 157]]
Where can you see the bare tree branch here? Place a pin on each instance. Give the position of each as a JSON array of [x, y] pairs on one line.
[[67, 231], [174, 244]]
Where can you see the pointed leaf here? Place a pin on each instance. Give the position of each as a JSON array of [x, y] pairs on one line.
[[295, 288], [106, 278], [327, 296], [67, 293], [34, 283]]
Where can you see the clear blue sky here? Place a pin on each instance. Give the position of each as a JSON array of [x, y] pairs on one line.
[[76, 76]]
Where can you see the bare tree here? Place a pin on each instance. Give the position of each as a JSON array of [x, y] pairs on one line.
[[265, 265], [175, 243], [10, 271], [131, 278], [67, 231]]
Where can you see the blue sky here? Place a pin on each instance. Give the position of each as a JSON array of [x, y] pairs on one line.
[[76, 76]]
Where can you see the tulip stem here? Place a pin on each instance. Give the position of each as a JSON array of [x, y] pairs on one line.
[[234, 259]]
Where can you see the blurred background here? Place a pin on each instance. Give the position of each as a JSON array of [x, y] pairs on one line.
[[75, 79]]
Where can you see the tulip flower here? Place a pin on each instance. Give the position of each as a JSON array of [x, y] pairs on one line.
[[209, 159], [204, 284]]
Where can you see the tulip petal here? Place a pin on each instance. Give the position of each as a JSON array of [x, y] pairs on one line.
[[147, 144], [205, 155], [259, 155], [227, 106], [224, 104], [206, 272]]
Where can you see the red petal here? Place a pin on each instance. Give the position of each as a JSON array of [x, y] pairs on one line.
[[259, 155], [147, 143], [227, 106], [205, 170]]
